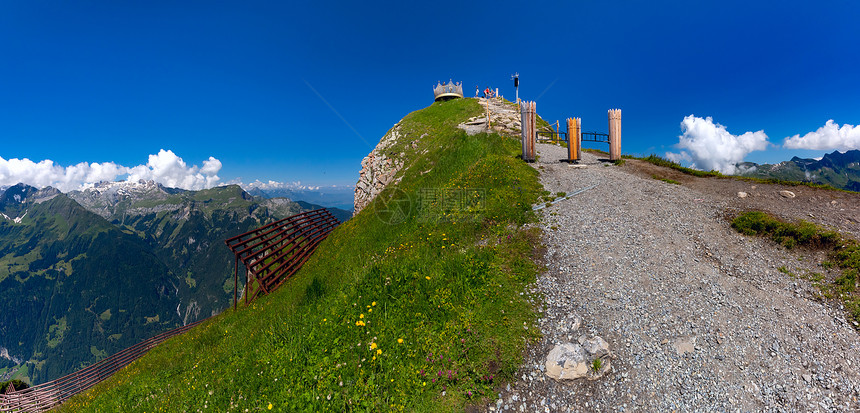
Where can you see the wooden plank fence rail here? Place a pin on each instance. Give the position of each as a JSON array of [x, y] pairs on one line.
[[45, 396], [274, 252]]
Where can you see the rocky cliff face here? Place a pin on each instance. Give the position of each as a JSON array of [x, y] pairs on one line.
[[378, 169]]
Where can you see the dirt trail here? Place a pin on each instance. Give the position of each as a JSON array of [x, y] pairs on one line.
[[699, 317]]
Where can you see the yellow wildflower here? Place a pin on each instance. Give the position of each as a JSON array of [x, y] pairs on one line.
[[400, 340]]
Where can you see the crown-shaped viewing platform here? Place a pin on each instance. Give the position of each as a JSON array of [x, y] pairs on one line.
[[448, 91]]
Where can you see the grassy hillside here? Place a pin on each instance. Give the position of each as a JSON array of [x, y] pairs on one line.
[[415, 304]]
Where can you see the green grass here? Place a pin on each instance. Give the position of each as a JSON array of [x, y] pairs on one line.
[[844, 253], [667, 180], [656, 160], [381, 313], [596, 151], [659, 161]]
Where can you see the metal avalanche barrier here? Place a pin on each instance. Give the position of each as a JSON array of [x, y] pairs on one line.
[[48, 395], [274, 252]]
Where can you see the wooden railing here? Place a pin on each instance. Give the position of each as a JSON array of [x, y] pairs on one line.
[[274, 252], [47, 395]]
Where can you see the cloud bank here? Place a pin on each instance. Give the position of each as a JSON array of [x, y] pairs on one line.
[[709, 146], [165, 167], [828, 137], [296, 185]]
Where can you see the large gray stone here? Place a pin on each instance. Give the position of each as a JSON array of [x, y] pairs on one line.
[[567, 361]]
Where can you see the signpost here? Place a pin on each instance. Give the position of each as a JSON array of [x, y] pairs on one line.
[[516, 78]]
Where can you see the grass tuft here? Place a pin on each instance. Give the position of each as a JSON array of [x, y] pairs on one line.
[[843, 252]]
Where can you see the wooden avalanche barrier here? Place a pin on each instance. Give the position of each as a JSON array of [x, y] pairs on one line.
[[614, 134], [574, 139], [528, 125]]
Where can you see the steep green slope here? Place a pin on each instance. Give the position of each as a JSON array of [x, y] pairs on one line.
[[73, 288], [417, 303]]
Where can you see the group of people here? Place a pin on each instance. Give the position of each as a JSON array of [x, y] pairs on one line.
[[488, 93]]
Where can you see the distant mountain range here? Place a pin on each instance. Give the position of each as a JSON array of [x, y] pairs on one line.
[[336, 196], [837, 169], [88, 273]]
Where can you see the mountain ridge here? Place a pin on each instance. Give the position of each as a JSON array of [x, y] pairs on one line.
[[838, 169]]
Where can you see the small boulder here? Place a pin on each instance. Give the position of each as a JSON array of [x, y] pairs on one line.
[[567, 361], [570, 361], [787, 194], [742, 194], [684, 345]]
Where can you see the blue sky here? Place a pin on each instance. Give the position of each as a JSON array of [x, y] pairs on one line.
[[302, 91]]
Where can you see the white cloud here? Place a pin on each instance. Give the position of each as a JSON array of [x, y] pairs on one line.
[[165, 168], [710, 146], [170, 170], [828, 137], [297, 185]]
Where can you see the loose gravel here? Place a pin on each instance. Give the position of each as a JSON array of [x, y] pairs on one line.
[[699, 317]]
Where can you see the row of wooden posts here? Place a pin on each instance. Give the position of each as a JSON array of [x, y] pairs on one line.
[[528, 122]]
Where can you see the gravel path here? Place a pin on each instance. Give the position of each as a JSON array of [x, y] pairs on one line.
[[697, 316]]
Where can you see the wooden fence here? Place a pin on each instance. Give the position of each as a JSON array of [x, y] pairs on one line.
[[47, 395], [274, 252]]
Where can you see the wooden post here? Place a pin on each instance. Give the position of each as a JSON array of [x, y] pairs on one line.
[[614, 134], [532, 130], [236, 283], [574, 139], [528, 129], [524, 126]]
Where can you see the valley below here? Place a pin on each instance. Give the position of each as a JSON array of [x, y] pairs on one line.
[[88, 273]]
